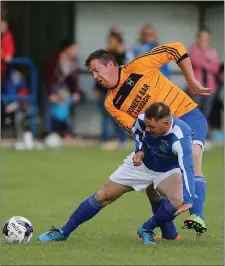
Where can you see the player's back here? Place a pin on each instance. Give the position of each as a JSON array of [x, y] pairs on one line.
[[159, 151]]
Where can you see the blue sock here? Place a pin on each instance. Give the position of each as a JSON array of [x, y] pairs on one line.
[[168, 229], [200, 196], [163, 215], [87, 210]]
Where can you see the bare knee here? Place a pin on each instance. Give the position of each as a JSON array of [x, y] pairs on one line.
[[103, 197], [111, 192], [197, 158]]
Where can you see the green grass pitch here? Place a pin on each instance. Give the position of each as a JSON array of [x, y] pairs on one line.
[[46, 186]]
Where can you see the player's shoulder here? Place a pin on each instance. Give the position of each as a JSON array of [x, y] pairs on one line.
[[138, 65], [140, 120], [131, 66], [180, 129], [141, 116]]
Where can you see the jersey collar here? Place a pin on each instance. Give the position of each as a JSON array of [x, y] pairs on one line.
[[119, 75]]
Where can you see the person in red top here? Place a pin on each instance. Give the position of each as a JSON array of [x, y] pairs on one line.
[[7, 47]]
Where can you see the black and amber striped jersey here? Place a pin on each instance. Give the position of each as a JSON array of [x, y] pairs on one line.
[[141, 83]]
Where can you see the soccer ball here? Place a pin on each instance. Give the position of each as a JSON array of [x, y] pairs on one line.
[[18, 230]]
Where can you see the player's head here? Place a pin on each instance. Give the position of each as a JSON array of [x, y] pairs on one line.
[[103, 67], [157, 119]]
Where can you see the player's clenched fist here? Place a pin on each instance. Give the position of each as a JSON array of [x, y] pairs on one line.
[[138, 158]]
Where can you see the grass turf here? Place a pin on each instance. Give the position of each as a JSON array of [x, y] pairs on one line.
[[46, 186]]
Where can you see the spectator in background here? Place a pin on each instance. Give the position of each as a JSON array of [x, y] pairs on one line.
[[7, 47], [147, 41], [205, 64], [62, 86], [117, 49], [15, 85], [216, 116], [116, 28], [7, 53]]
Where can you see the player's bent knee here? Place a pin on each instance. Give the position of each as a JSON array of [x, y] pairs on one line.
[[102, 197]]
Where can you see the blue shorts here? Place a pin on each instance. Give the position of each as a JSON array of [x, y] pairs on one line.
[[198, 123]]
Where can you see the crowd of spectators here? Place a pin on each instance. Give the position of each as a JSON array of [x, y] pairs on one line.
[[62, 92]]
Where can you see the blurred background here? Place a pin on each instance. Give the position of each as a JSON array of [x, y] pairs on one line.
[[45, 88]]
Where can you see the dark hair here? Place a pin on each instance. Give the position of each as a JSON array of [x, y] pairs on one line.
[[157, 111], [65, 44], [102, 55]]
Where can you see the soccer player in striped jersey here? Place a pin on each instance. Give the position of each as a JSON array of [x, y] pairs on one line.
[[163, 158], [138, 84]]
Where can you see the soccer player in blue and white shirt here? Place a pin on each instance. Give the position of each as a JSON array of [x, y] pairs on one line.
[[163, 158], [163, 145]]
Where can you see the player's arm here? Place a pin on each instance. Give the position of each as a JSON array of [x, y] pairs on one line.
[[194, 85], [163, 54], [124, 120], [138, 132], [176, 52], [183, 149]]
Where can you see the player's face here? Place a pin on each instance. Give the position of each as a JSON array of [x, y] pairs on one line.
[[156, 128], [102, 73]]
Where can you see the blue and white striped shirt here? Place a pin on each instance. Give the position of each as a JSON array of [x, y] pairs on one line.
[[164, 153]]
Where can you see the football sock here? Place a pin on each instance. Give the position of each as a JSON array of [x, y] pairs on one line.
[[168, 229], [86, 210], [200, 196], [163, 215]]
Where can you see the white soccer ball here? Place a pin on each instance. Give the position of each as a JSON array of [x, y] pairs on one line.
[[53, 141], [18, 230]]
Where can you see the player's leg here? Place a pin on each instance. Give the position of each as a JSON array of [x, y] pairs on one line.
[[197, 122], [126, 178], [168, 229], [196, 219], [171, 187], [86, 211]]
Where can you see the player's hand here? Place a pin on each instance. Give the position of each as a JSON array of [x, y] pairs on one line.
[[183, 208], [138, 158], [197, 89]]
